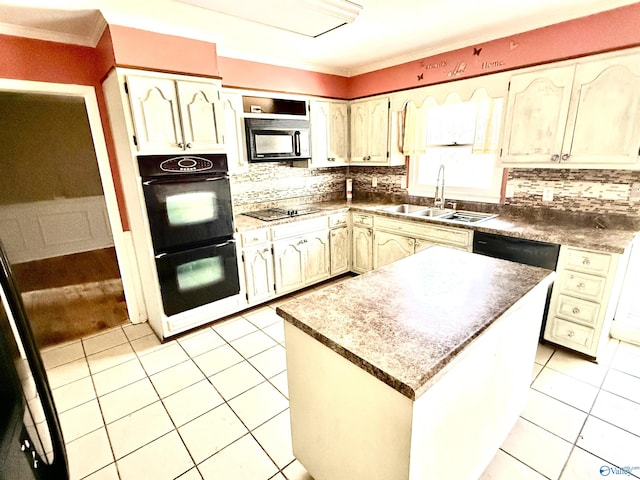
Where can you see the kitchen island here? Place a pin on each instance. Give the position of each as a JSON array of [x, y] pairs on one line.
[[417, 370]]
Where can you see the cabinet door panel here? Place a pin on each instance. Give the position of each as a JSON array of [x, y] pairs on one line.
[[339, 247], [321, 134], [234, 132], [339, 133], [378, 130], [388, 247], [154, 108], [362, 249], [289, 265], [536, 115], [316, 259], [258, 268], [359, 126], [200, 110], [604, 121]]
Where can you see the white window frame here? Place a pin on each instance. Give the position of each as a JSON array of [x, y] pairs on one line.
[[493, 193]]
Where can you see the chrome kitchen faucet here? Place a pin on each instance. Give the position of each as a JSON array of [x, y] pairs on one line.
[[438, 199]]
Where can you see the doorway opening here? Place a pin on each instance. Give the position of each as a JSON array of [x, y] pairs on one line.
[[56, 214]]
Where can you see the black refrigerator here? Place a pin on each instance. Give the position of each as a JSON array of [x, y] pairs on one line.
[[31, 443]]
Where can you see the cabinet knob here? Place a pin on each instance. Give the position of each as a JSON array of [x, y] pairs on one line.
[[181, 145], [188, 145], [266, 250], [571, 334], [555, 157], [575, 310], [565, 157], [586, 261], [581, 285]]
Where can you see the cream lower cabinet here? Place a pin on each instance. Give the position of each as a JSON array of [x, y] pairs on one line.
[[362, 242], [395, 239], [389, 247], [584, 299], [257, 261], [300, 254], [339, 244]]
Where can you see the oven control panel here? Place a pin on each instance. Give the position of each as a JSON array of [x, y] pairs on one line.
[[162, 165]]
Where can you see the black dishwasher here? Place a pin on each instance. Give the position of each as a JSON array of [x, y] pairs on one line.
[[521, 250], [530, 252]]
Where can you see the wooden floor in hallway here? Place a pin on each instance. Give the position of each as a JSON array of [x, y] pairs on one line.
[[72, 296]]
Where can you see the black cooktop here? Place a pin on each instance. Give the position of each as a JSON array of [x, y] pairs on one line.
[[270, 214]]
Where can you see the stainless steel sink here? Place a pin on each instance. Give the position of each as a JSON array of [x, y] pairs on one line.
[[432, 212], [405, 208], [460, 216], [444, 214]]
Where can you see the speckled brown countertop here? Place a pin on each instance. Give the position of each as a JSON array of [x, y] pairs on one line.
[[563, 230], [403, 323]]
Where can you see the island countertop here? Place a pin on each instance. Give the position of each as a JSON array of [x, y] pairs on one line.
[[403, 323]]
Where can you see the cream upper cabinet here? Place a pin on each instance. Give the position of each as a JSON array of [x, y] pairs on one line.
[[584, 115], [171, 115], [370, 132], [234, 132], [330, 134]]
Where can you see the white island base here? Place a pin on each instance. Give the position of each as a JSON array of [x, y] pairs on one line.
[[348, 425]]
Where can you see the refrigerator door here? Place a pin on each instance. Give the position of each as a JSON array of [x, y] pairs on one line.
[[31, 443]]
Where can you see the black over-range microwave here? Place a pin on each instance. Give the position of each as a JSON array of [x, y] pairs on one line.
[[275, 139]]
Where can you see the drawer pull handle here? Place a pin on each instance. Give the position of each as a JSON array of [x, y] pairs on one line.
[[581, 285], [575, 310], [586, 261], [571, 334]]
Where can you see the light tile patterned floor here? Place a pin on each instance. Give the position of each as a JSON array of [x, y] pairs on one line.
[[213, 405]]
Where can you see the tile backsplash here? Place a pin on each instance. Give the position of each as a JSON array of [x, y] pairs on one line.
[[270, 183], [587, 191], [581, 191]]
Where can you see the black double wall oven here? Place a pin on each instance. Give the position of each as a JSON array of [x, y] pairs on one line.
[[188, 203]]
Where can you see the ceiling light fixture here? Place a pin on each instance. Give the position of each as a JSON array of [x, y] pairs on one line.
[[306, 17]]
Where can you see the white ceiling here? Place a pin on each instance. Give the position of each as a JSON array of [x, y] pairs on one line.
[[386, 32]]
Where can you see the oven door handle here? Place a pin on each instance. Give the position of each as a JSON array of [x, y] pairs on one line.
[[217, 245], [296, 144], [174, 180]]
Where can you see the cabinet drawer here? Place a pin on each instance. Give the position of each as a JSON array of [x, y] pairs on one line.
[[458, 237], [571, 333], [588, 262], [254, 237], [338, 220], [577, 310], [582, 285], [362, 219], [298, 227]]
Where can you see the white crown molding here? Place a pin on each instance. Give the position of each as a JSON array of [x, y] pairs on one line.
[[90, 40], [279, 62], [97, 30]]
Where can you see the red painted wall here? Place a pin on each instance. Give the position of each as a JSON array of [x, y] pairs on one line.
[[160, 52], [261, 76], [611, 30]]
